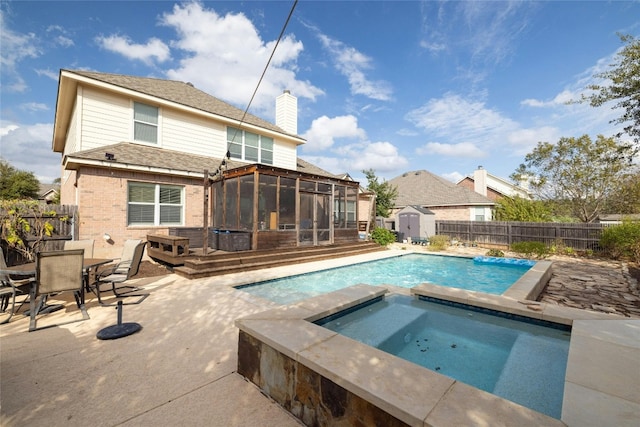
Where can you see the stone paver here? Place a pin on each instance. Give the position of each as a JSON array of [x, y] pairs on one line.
[[596, 285]]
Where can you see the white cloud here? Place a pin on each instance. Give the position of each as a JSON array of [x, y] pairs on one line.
[[561, 99], [354, 156], [231, 67], [16, 47], [524, 140], [382, 157], [352, 64], [453, 176], [34, 106], [4, 130], [35, 139], [59, 36], [154, 49], [462, 149], [458, 119], [53, 75], [324, 131]]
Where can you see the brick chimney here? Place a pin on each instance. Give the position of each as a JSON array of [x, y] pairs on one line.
[[287, 112], [480, 181]]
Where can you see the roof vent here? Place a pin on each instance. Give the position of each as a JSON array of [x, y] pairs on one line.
[[417, 172], [190, 84], [109, 156]]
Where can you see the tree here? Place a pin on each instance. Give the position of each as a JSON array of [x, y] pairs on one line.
[[624, 88], [386, 194], [15, 184], [520, 209], [627, 199], [583, 173]]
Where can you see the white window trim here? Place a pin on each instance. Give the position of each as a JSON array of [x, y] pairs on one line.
[[133, 121], [260, 149], [156, 205]]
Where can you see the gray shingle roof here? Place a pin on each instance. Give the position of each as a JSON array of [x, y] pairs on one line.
[[180, 93], [128, 153], [423, 188]]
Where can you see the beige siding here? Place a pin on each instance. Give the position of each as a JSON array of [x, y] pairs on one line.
[[71, 142], [193, 135], [284, 155], [106, 119]]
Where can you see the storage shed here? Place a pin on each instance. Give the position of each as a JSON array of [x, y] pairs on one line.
[[417, 223]]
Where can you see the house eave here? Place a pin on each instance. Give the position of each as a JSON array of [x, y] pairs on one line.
[[71, 163]]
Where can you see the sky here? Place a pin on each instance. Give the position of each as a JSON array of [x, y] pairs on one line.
[[393, 86]]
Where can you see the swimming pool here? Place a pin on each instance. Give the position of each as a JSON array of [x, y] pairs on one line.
[[514, 359], [404, 271]]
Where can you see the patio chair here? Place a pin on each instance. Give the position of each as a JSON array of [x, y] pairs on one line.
[[9, 289], [57, 272], [87, 245], [120, 273]]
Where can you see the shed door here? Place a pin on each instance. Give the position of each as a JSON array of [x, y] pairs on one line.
[[410, 225]]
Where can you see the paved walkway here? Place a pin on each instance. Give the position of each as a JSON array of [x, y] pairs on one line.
[[596, 285], [181, 368]]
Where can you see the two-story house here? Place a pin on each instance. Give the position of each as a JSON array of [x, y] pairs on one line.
[[140, 155], [493, 187]]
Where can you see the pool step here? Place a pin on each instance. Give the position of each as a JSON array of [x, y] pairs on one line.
[[534, 374], [391, 323]]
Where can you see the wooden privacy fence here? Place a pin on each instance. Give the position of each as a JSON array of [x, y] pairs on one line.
[[65, 227], [579, 236]]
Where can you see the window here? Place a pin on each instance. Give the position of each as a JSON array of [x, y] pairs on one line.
[[154, 204], [249, 146], [479, 214], [145, 123]]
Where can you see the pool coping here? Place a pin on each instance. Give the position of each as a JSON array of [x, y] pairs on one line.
[[363, 370]]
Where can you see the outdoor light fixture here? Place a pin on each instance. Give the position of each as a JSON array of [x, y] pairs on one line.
[[106, 237]]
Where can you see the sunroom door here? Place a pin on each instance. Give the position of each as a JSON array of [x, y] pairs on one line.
[[315, 219]]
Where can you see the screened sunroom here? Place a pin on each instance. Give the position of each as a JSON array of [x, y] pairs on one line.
[[285, 208]]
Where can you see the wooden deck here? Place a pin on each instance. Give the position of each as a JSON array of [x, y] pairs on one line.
[[196, 265]]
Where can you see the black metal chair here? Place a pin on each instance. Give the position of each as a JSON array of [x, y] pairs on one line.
[[9, 290], [57, 272], [120, 273]]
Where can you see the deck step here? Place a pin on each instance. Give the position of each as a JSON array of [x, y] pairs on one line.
[[234, 262]]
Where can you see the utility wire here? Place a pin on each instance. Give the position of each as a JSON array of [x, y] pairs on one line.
[[260, 80]]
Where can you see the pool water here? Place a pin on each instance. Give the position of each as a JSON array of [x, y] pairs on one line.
[[405, 271], [516, 360]]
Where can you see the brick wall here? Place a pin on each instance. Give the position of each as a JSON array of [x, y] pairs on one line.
[[101, 196]]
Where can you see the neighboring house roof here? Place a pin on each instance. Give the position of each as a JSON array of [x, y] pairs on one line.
[[48, 191], [143, 158], [422, 188], [515, 188], [619, 217], [181, 93], [420, 209]]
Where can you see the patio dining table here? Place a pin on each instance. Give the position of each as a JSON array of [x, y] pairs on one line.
[[29, 270]]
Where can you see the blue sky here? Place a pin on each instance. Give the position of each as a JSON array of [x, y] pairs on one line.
[[394, 86]]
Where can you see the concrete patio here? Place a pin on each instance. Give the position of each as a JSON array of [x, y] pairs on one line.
[[181, 368]]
